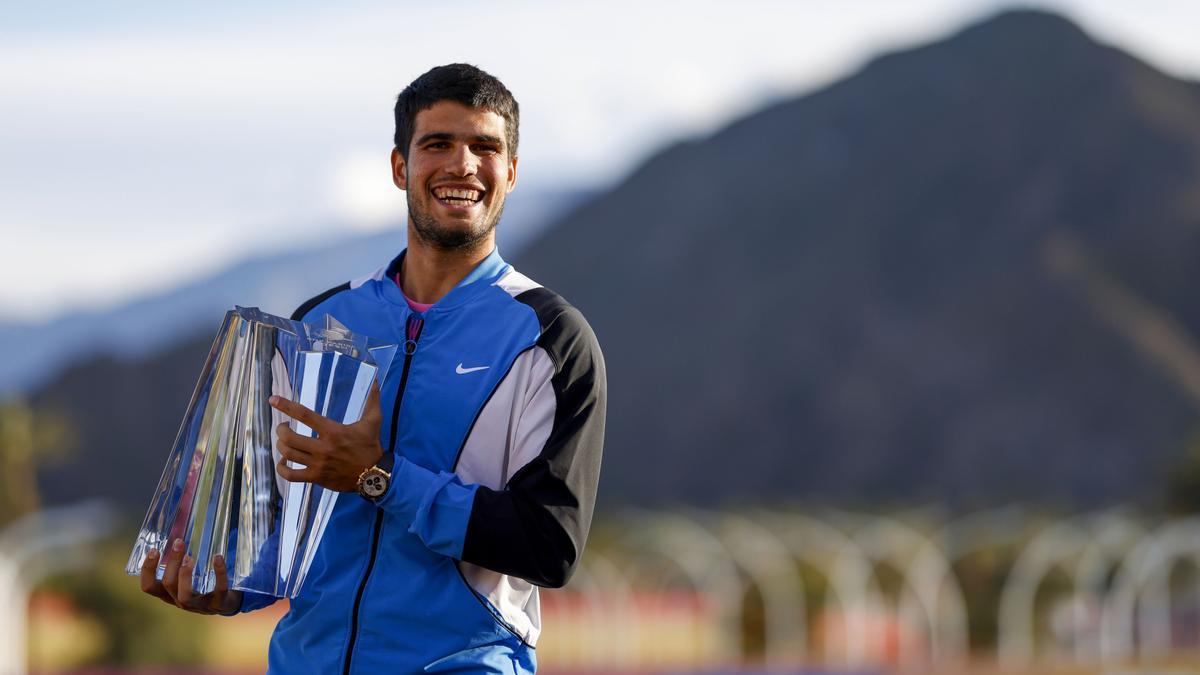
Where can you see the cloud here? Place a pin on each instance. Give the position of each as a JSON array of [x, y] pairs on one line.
[[362, 194]]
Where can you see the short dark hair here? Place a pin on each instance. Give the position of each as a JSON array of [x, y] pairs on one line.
[[459, 82]]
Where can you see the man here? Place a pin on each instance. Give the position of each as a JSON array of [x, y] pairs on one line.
[[475, 466]]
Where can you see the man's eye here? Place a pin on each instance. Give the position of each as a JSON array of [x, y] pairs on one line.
[[485, 149]]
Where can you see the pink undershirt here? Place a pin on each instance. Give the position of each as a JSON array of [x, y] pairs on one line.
[[419, 307]]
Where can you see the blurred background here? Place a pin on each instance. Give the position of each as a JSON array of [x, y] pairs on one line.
[[898, 302]]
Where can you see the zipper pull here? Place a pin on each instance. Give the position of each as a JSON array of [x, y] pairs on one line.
[[413, 328]]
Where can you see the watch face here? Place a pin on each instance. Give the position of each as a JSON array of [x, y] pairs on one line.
[[374, 484]]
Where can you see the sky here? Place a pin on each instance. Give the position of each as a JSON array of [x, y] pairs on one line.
[[145, 144]]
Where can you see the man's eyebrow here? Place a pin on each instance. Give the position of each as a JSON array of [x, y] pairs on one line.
[[447, 136], [435, 136]]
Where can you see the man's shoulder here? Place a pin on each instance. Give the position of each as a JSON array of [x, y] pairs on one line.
[[551, 308], [565, 333]]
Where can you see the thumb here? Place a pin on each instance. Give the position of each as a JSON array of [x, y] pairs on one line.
[[372, 415]]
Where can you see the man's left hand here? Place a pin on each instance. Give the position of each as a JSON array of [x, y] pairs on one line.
[[339, 453]]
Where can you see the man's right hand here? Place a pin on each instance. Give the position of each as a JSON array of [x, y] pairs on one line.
[[176, 585]]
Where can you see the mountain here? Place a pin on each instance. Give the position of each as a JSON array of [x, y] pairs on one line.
[[276, 282], [962, 274], [946, 277]]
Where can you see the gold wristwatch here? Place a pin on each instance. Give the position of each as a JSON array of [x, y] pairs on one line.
[[373, 482]]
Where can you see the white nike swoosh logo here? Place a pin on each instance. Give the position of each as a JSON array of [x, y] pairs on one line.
[[463, 371]]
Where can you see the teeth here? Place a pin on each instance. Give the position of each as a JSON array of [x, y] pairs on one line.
[[457, 194]]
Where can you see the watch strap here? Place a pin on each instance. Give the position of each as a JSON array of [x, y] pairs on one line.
[[387, 462]]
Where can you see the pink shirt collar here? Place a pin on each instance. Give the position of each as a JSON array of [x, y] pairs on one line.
[[419, 307]]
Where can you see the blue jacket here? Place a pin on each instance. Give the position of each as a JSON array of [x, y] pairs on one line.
[[496, 420]]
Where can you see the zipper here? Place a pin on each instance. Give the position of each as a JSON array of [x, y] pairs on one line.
[[413, 327]]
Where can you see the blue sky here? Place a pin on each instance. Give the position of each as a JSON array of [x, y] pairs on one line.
[[147, 143]]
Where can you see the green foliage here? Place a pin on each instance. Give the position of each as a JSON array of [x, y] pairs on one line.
[[18, 491], [28, 438]]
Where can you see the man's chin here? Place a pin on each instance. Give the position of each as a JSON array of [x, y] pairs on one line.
[[452, 238]]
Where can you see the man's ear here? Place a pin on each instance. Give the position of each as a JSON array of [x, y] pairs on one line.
[[399, 170], [512, 174]]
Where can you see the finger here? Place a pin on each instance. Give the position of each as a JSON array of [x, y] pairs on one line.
[[372, 414], [217, 598], [149, 576], [293, 475], [170, 580], [285, 434], [300, 413], [149, 581], [295, 455], [183, 596]]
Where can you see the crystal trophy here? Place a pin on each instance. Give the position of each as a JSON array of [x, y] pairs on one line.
[[219, 491]]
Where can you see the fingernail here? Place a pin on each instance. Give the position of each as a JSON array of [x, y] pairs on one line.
[[177, 545], [273, 400], [153, 554], [187, 561], [219, 561]]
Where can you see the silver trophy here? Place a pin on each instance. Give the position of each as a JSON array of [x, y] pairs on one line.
[[219, 491]]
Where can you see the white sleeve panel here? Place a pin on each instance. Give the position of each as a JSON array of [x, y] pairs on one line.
[[521, 413]]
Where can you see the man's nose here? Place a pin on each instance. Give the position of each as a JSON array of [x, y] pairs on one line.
[[463, 162]]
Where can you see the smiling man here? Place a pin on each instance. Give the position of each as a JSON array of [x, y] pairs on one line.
[[475, 465]]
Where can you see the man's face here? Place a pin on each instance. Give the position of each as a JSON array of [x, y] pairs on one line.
[[457, 174]]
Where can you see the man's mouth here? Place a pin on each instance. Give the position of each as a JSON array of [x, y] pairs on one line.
[[454, 196]]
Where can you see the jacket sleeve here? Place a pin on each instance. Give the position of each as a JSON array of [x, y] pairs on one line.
[[536, 526]]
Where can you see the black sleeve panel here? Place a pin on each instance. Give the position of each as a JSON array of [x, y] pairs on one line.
[[305, 308], [536, 527]]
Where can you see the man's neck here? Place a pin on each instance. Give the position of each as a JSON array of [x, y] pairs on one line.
[[428, 273]]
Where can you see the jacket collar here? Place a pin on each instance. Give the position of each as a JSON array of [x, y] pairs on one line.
[[483, 276]]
